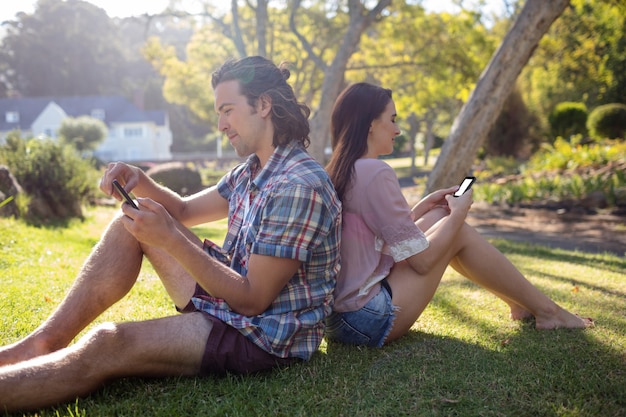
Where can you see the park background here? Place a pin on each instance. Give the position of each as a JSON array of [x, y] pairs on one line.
[[539, 150]]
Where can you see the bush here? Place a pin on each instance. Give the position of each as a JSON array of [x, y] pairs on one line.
[[608, 122], [588, 176], [568, 119], [177, 177], [85, 133], [512, 134], [56, 180]]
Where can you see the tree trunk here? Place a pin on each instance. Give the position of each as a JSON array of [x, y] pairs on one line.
[[429, 138], [494, 85], [414, 128], [359, 20]]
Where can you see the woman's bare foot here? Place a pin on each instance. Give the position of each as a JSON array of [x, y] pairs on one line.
[[563, 319], [520, 313]]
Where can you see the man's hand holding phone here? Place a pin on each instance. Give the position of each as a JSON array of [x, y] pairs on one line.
[[124, 194]]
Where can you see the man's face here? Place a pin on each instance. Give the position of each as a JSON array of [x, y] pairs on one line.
[[242, 124]]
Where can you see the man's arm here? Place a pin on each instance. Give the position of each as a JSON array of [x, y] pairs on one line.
[[204, 206], [250, 295]]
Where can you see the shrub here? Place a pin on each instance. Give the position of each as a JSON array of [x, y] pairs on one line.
[[568, 119], [512, 134], [84, 133], [177, 176], [608, 122], [56, 180]]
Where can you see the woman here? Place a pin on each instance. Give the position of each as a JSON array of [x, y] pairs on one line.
[[393, 256]]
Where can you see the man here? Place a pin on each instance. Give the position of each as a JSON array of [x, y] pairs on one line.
[[264, 309]]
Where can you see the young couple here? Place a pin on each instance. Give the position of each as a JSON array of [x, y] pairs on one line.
[[261, 300]]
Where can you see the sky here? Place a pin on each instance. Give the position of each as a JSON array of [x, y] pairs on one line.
[[126, 8]]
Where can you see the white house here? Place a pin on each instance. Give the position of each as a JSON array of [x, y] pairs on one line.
[[133, 134]]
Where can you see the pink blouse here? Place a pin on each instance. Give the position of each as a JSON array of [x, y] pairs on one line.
[[377, 232]]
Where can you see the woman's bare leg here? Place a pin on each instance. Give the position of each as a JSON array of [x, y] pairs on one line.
[[412, 292], [517, 311], [501, 277]]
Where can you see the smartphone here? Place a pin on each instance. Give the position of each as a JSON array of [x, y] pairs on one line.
[[124, 194], [465, 185]]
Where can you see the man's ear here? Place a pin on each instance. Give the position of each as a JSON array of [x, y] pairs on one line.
[[264, 105]]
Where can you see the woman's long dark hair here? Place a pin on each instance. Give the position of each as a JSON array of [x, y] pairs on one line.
[[354, 111]]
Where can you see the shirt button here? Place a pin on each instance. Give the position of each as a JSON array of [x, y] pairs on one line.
[[230, 242]]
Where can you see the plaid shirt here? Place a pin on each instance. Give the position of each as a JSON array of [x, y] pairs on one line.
[[288, 209]]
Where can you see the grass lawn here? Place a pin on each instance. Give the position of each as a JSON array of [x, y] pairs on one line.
[[464, 356]]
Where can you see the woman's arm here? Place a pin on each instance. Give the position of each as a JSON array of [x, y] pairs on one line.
[[432, 200], [442, 233]]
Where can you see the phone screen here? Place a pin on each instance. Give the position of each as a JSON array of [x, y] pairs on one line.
[[465, 185], [124, 194]]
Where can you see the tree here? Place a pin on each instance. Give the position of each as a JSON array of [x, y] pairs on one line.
[[320, 53], [359, 19], [478, 114], [582, 58], [64, 47], [84, 133], [431, 62]]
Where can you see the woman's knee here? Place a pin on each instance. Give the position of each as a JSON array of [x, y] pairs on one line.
[[430, 218]]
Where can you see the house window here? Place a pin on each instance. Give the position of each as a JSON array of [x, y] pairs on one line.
[[49, 132], [12, 117], [98, 114], [133, 132]]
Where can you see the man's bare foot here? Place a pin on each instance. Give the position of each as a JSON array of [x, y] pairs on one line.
[[22, 350], [563, 319]]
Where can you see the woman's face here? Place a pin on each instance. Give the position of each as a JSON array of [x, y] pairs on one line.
[[382, 132]]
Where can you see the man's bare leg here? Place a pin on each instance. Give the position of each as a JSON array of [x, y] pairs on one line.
[[107, 275], [170, 346]]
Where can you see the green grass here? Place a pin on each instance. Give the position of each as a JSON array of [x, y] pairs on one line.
[[464, 357]]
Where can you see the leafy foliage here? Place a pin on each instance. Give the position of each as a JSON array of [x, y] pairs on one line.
[[608, 121], [68, 46], [56, 180], [83, 133], [563, 172], [178, 177], [513, 133], [567, 119], [581, 59]]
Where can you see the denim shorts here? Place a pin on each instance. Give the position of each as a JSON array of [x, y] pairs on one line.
[[368, 326]]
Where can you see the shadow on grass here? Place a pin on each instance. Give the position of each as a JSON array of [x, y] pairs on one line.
[[601, 261], [532, 373]]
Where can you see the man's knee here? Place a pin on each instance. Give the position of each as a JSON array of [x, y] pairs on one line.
[[105, 337]]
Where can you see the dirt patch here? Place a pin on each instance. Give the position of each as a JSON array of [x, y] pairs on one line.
[[595, 233]]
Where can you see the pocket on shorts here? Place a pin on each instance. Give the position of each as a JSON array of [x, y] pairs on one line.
[[337, 329]]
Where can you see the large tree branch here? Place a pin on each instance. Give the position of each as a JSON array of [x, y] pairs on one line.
[[304, 41], [477, 116]]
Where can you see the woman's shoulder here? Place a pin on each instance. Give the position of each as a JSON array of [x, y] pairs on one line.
[[372, 165], [369, 169]]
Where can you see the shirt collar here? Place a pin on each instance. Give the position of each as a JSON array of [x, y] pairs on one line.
[[260, 176]]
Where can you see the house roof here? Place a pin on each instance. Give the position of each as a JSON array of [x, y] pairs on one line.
[[117, 109]]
